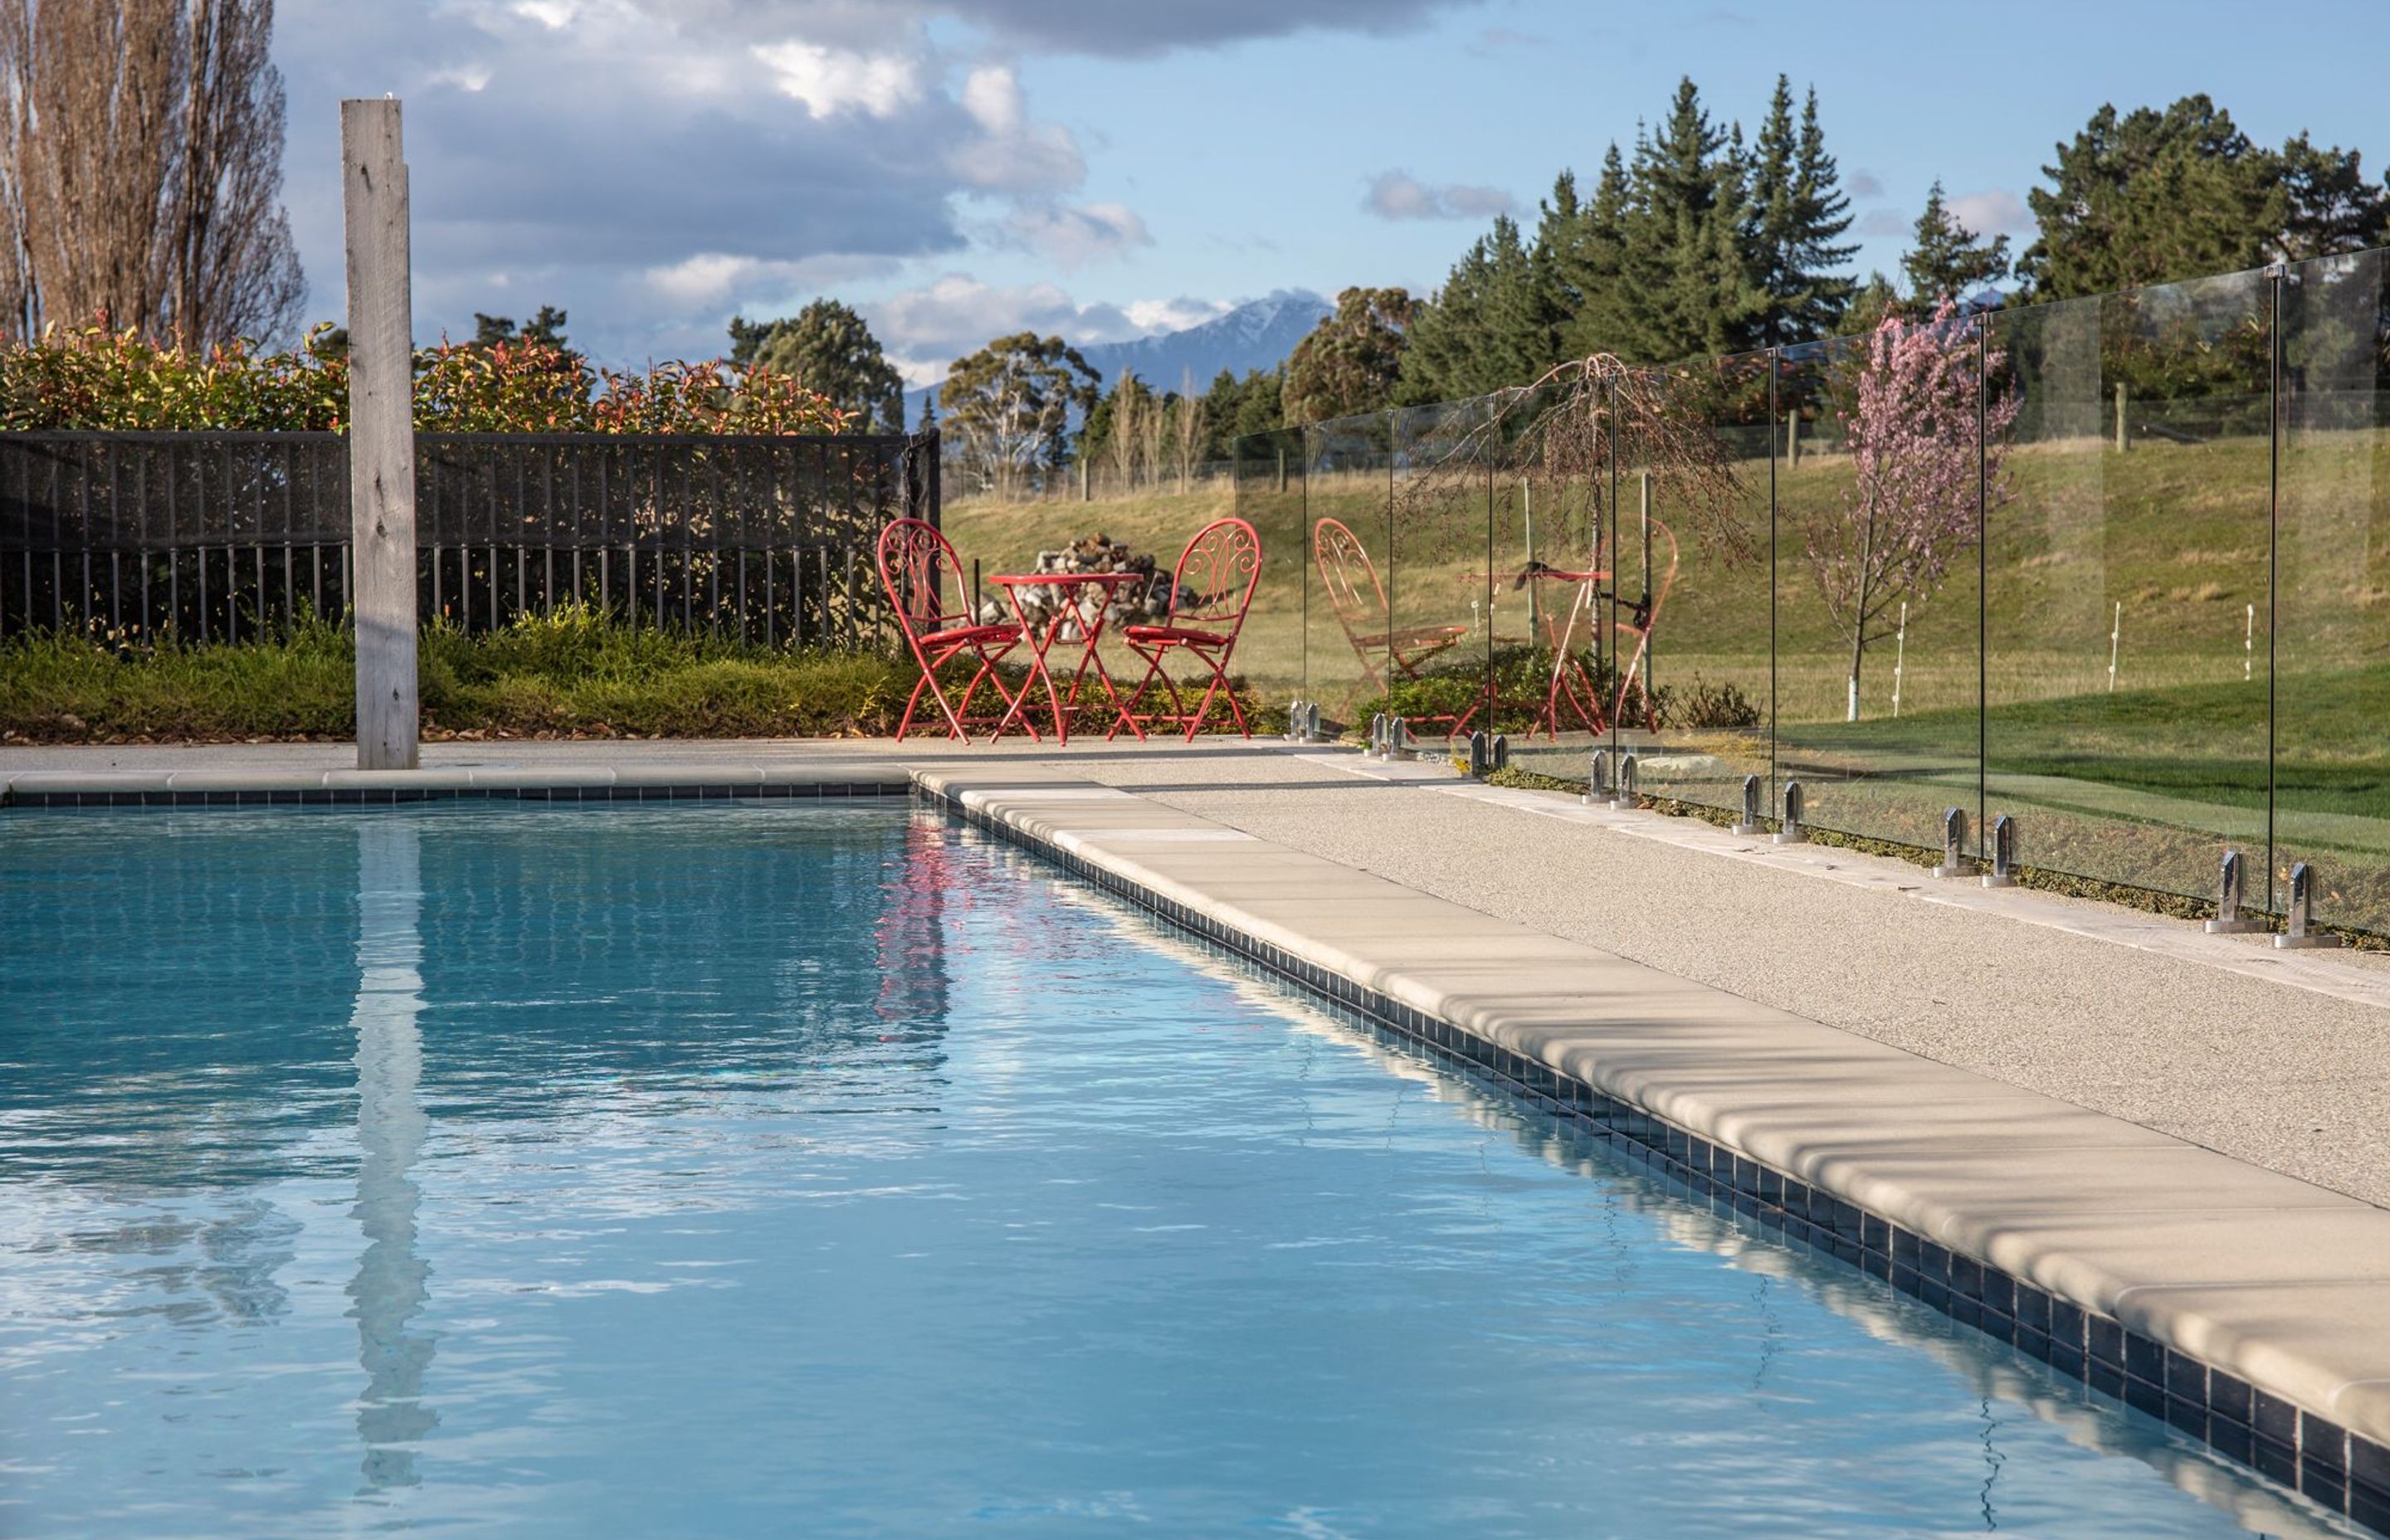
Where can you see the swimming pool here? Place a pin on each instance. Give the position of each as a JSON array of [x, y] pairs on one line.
[[740, 1170]]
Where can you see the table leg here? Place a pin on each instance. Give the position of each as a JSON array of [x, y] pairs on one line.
[[1037, 647], [1112, 691]]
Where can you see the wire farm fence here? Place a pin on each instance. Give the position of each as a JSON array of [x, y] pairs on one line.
[[1087, 481], [222, 537], [2154, 627]]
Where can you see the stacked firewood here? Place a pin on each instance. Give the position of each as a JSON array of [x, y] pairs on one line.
[[1146, 602]]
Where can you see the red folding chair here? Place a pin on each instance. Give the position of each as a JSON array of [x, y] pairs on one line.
[[1209, 592], [918, 568], [1637, 627], [1344, 564]]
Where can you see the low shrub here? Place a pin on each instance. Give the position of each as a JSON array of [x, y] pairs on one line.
[[576, 674], [1522, 677]]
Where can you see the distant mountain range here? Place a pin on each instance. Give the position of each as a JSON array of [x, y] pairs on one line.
[[1256, 334]]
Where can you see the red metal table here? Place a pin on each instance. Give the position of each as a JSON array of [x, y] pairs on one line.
[[1570, 681], [1067, 610]]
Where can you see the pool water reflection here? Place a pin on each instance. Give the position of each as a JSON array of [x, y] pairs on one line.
[[730, 1170]]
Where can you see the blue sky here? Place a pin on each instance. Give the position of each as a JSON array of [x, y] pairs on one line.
[[957, 168]]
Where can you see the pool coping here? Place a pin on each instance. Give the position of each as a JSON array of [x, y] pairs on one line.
[[2285, 1373]]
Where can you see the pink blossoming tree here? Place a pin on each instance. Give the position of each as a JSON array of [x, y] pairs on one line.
[[1911, 508]]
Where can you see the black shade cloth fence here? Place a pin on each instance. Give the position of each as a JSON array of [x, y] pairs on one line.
[[218, 537]]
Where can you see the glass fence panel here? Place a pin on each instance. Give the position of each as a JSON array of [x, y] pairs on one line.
[[1347, 462], [1438, 645], [1269, 661], [1876, 583], [1549, 593], [2126, 692], [1627, 712], [1691, 636], [2332, 651]]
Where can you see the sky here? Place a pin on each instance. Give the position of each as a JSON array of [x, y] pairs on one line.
[[960, 169]]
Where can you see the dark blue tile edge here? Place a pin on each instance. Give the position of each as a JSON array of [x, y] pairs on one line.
[[2345, 1472]]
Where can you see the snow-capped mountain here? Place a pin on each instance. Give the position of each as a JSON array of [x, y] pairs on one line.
[[1255, 335]]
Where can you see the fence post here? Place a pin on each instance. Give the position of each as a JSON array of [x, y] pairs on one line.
[[2228, 920], [1749, 822], [382, 432], [1954, 846]]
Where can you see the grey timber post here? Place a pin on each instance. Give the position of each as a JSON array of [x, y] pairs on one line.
[[382, 433]]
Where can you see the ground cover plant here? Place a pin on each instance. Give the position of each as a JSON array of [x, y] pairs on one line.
[[577, 672]]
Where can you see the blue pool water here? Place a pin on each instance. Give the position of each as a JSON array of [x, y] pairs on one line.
[[731, 1170]]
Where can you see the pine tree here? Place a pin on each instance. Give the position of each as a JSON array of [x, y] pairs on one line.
[[1448, 331], [1737, 277], [1875, 300], [1949, 261], [1593, 264], [1800, 214], [1556, 254], [1666, 265], [827, 348], [1685, 282]]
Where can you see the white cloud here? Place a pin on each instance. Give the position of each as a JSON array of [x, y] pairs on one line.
[[829, 81], [992, 96], [1399, 195], [1995, 213], [716, 282], [925, 329], [1866, 183], [1075, 236], [650, 164], [1885, 222], [1150, 315], [1009, 153]]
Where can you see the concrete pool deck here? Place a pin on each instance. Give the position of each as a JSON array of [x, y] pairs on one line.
[[2182, 1134]]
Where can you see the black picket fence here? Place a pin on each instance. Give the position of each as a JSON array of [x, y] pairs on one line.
[[220, 537]]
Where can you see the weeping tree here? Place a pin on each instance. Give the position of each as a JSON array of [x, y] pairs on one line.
[[1919, 490], [1580, 422]]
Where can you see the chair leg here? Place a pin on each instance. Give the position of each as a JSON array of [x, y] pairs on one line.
[[906, 724], [1128, 708], [955, 712], [987, 661], [1218, 685], [953, 718]]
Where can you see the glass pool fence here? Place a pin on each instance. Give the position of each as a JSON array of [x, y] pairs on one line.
[[2116, 570]]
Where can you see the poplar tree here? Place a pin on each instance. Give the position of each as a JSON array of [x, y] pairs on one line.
[[141, 170]]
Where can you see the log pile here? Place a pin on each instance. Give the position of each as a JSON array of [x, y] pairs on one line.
[[1146, 603]]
